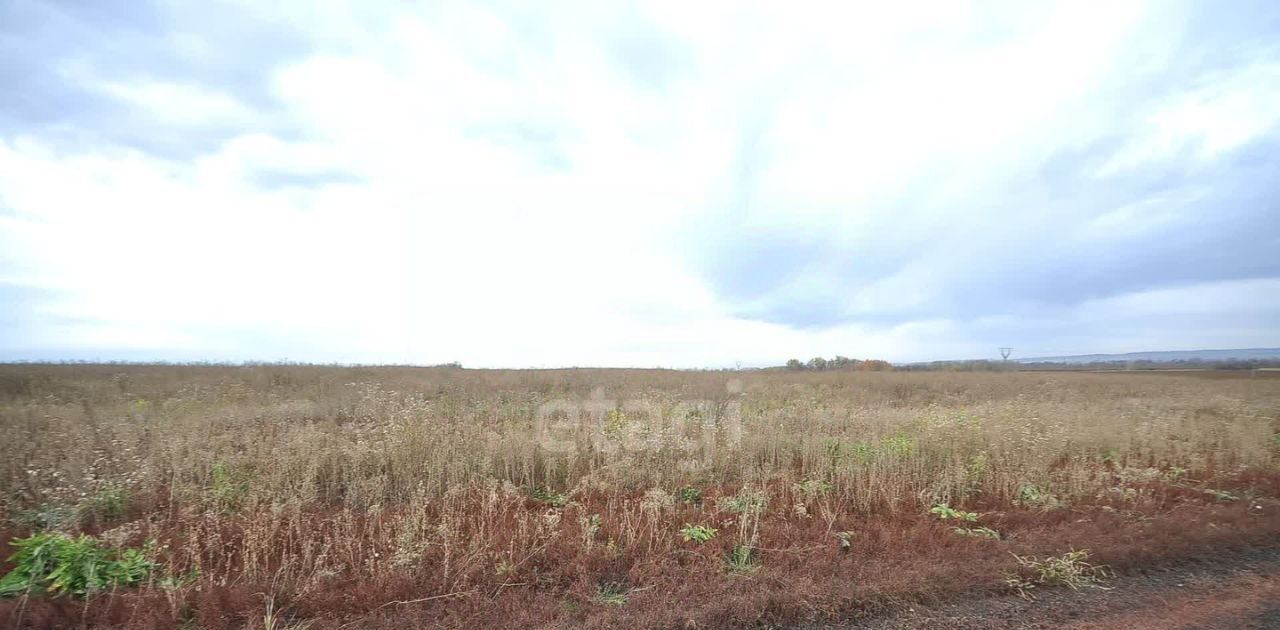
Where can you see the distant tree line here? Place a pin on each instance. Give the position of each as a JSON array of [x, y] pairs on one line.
[[960, 366], [1177, 364], [839, 363]]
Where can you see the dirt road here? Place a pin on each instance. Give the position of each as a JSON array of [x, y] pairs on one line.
[[1228, 591]]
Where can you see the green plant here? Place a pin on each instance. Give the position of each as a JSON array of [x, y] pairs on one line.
[[835, 453], [543, 494], [845, 539], [745, 502], [697, 533], [612, 593], [1033, 495], [105, 504], [47, 516], [615, 423], [863, 451], [58, 564], [945, 512], [749, 505], [590, 526], [743, 559], [975, 471], [228, 487], [172, 581], [689, 494], [900, 446], [812, 487]]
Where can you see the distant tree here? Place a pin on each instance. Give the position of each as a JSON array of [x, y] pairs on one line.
[[842, 363], [875, 365], [818, 364]]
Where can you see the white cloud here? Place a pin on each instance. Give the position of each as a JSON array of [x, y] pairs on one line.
[[178, 103], [509, 188], [1208, 121]]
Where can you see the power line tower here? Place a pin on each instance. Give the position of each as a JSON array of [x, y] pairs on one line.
[[1004, 354]]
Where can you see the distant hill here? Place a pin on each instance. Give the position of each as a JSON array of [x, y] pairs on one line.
[[1240, 354]]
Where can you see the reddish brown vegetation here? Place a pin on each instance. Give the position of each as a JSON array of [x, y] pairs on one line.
[[401, 498], [894, 562]]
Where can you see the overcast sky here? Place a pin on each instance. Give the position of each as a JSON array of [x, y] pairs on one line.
[[675, 184]]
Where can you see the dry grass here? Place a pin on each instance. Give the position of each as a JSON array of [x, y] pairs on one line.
[[372, 496]]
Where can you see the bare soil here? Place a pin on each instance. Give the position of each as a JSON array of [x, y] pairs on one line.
[[1228, 591]]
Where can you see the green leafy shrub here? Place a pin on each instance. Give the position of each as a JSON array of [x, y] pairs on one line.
[[745, 502], [1032, 495], [899, 446], [590, 527], [810, 488], [229, 488], [697, 533], [58, 564], [945, 512], [689, 494], [543, 494], [974, 473], [105, 504], [612, 593], [743, 559], [47, 516]]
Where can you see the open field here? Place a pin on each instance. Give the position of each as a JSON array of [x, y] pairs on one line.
[[327, 497]]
